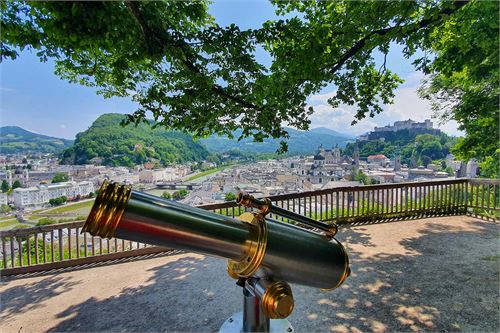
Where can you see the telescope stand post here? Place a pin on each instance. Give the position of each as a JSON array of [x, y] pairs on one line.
[[252, 319]]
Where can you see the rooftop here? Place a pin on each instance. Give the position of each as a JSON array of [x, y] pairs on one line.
[[436, 274]]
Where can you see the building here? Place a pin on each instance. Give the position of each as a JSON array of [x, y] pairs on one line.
[[3, 199], [40, 195], [379, 159], [327, 156], [152, 176], [405, 124], [380, 133], [471, 169]]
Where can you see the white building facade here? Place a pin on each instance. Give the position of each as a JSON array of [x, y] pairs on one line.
[[3, 199], [40, 195]]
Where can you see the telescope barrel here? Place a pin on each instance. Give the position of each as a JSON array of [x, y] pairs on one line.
[[254, 246], [157, 221]]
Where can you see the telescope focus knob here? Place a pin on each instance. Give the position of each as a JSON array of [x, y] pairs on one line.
[[276, 296], [277, 300]]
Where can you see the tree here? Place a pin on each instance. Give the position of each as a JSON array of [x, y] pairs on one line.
[[426, 160], [230, 196], [60, 177], [464, 82], [213, 159], [16, 184], [166, 195], [449, 171], [58, 201], [45, 221], [361, 177], [181, 194], [4, 209], [429, 145], [174, 57], [5, 186]]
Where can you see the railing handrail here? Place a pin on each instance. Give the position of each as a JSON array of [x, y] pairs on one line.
[[41, 228], [352, 188], [484, 181], [230, 204]]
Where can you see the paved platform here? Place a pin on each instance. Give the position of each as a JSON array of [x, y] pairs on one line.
[[439, 275]]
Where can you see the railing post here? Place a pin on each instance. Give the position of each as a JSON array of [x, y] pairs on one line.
[[337, 217], [466, 204], [4, 253], [61, 251]]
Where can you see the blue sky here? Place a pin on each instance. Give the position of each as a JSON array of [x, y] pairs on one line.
[[32, 97]]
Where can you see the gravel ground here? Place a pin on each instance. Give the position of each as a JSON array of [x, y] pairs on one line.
[[439, 274]]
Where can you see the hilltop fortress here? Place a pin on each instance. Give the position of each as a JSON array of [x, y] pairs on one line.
[[411, 126]]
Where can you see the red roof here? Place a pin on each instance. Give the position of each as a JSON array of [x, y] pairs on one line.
[[376, 157]]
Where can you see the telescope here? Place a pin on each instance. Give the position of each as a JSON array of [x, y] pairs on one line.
[[263, 255]]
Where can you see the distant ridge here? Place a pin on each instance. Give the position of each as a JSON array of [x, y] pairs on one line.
[[300, 142], [14, 139], [324, 130]]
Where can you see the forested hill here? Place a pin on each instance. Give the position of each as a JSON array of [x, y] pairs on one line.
[[14, 139], [106, 140], [422, 148]]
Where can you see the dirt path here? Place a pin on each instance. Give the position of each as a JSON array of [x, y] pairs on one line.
[[439, 275]]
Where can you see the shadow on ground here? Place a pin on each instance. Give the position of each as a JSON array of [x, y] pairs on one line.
[[444, 279], [184, 295], [441, 279], [23, 298]]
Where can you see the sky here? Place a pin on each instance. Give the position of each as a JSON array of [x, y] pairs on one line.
[[34, 98]]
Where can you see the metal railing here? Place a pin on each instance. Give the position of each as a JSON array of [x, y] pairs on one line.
[[61, 245]]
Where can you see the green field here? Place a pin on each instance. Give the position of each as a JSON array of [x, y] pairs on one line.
[[206, 173], [80, 208], [6, 224]]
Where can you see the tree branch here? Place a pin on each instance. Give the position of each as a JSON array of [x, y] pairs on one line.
[[358, 46], [151, 36]]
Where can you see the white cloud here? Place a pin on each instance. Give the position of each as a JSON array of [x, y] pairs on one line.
[[323, 97], [63, 126], [407, 105]]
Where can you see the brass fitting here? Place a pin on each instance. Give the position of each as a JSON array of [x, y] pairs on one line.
[[277, 301], [247, 200], [107, 210], [255, 247]]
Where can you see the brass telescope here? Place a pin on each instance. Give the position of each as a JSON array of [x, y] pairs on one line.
[[263, 254]]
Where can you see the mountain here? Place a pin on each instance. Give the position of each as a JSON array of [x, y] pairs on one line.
[[14, 139], [300, 142], [114, 145], [327, 131]]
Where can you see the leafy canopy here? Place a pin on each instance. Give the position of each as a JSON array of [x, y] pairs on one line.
[[5, 186], [464, 84], [195, 75], [60, 177]]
